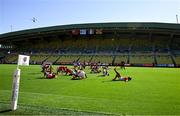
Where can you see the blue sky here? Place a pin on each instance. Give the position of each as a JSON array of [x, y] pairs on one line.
[[17, 14]]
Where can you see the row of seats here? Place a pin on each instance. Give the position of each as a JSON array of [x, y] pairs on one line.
[[132, 59], [98, 44], [177, 59], [103, 59], [11, 58], [164, 59], [67, 59]]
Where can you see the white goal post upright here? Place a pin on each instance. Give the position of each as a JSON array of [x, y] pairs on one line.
[[15, 88], [24, 61]]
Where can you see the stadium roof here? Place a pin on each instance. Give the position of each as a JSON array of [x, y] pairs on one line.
[[115, 25]]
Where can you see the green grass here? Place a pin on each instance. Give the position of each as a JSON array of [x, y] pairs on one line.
[[152, 91]]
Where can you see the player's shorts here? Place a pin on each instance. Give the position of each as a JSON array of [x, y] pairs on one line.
[[51, 76]]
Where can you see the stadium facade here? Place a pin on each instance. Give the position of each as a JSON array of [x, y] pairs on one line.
[[137, 44]]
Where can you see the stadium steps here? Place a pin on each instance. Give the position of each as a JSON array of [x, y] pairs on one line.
[[91, 59], [55, 62], [114, 58], [128, 59], [79, 58], [173, 59], [52, 59], [155, 60], [177, 58], [46, 59], [164, 59]]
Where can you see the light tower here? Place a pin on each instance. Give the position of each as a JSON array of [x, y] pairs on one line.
[[177, 19]]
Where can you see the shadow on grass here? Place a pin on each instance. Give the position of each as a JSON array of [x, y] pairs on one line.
[[45, 78], [4, 111], [107, 81], [101, 76], [40, 78], [112, 81], [33, 73]]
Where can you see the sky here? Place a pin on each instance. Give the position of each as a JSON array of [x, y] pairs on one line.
[[17, 15]]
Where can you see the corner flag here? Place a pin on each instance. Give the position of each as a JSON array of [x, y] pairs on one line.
[[23, 60]]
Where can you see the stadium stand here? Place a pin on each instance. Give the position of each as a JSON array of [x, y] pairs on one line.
[[52, 58], [141, 59], [11, 58], [122, 45], [85, 58], [164, 59], [102, 59], [67, 59], [38, 59], [119, 58], [133, 43], [177, 59], [140, 44]]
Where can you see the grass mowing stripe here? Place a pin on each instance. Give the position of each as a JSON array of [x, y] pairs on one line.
[[30, 110], [70, 97], [56, 98], [74, 103], [59, 96]]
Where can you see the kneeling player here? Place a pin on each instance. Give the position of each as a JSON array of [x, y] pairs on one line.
[[105, 71], [78, 75]]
